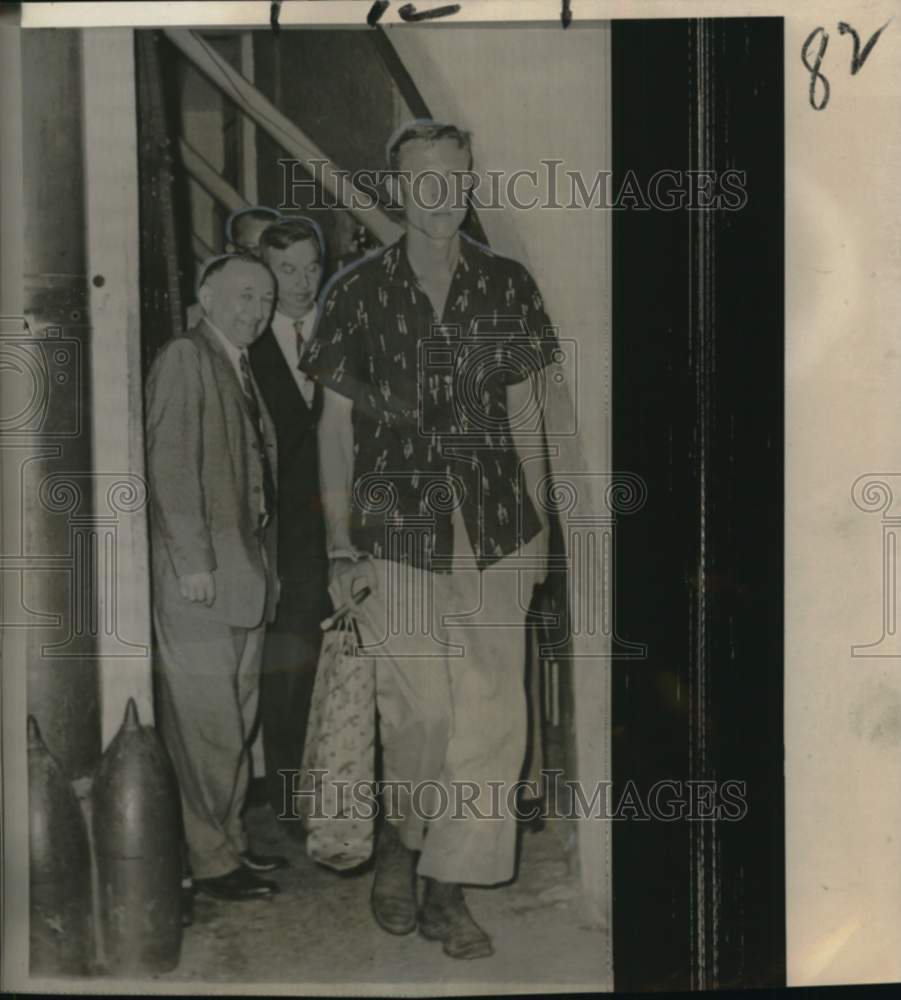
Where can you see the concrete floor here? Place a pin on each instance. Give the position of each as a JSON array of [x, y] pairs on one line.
[[319, 933]]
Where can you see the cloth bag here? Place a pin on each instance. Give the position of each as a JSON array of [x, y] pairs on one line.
[[338, 769]]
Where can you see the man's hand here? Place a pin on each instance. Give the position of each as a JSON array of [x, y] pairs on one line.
[[199, 588], [347, 576]]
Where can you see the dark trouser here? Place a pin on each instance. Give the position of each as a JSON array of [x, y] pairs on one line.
[[290, 656]]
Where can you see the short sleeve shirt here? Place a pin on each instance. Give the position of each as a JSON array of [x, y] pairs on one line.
[[430, 412]]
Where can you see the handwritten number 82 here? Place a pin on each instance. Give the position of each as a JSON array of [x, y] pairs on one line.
[[819, 38]]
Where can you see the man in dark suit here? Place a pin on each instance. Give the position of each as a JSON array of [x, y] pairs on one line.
[[211, 463], [293, 251]]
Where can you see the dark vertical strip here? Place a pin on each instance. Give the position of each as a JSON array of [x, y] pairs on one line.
[[744, 536], [698, 413], [167, 268], [702, 351], [653, 411]]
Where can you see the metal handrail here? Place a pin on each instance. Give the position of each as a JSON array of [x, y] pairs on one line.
[[209, 178]]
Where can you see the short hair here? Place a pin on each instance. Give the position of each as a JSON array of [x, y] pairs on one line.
[[259, 213], [425, 130], [213, 265], [288, 231]]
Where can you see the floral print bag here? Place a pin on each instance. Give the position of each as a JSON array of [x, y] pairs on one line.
[[337, 775]]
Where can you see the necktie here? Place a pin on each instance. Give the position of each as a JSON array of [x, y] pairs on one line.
[[298, 330], [253, 403], [306, 383]]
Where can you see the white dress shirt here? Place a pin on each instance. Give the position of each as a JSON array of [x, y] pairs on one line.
[[285, 334], [234, 353]]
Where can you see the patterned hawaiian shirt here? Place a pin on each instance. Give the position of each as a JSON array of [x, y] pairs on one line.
[[430, 421]]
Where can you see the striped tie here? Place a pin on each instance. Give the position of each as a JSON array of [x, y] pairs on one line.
[[253, 403], [307, 387]]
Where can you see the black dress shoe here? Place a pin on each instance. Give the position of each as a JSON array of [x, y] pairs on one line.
[[263, 862], [236, 885]]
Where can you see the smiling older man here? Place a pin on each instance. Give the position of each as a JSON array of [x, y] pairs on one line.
[[211, 463]]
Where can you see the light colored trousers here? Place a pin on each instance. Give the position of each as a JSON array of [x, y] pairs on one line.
[[450, 657], [209, 679]]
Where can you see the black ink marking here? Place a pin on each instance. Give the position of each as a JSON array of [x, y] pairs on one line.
[[409, 12], [814, 69], [376, 11], [566, 14], [858, 57], [274, 10]]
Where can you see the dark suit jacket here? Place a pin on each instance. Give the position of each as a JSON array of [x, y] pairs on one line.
[[205, 481], [301, 531]]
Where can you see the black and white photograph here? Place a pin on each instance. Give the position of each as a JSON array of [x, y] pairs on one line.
[[397, 561]]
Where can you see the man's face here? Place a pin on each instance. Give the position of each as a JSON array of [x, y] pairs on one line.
[[298, 271], [238, 300], [247, 232], [433, 199]]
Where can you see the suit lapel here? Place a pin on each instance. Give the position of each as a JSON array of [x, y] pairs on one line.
[[226, 375], [226, 370]]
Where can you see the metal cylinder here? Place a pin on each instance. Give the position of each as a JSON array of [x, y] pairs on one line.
[[61, 932], [137, 841]]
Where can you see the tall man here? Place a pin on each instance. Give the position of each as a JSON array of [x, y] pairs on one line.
[[211, 461], [293, 251], [429, 352]]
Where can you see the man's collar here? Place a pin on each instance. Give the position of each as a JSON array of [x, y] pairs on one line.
[[397, 264], [285, 319], [280, 319], [233, 353]]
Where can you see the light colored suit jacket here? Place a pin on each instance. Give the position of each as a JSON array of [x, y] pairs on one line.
[[206, 482]]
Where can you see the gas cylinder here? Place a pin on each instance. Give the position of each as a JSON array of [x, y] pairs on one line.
[[61, 930], [136, 826]]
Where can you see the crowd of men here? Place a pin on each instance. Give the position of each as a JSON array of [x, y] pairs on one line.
[[277, 424]]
